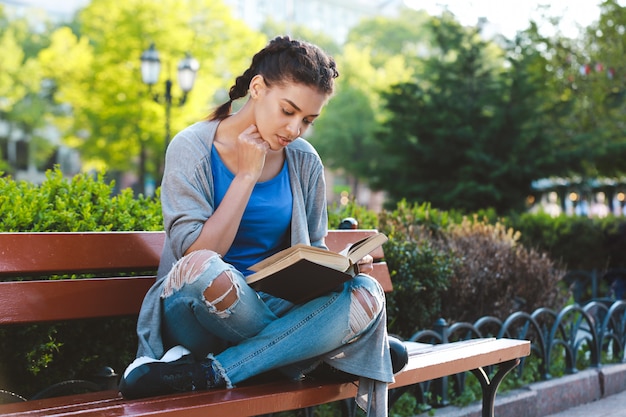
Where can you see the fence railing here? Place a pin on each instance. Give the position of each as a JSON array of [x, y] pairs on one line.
[[596, 285], [575, 338]]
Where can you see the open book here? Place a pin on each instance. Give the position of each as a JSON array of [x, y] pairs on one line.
[[301, 272]]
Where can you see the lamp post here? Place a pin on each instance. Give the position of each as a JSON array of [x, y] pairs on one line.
[[150, 69]]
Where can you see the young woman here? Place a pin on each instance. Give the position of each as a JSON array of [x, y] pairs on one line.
[[238, 188]]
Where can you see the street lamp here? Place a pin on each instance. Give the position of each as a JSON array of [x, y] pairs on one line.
[[150, 69]]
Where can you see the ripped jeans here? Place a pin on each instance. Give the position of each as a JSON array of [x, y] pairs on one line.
[[249, 333]]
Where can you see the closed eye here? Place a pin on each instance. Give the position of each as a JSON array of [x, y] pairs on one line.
[[307, 122]]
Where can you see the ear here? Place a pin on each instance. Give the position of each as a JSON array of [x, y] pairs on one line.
[[257, 86]]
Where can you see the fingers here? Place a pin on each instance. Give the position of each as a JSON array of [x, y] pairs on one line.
[[366, 264], [251, 152], [367, 259], [252, 136]]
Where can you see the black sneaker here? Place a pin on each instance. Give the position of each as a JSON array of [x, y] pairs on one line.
[[159, 378], [399, 354]]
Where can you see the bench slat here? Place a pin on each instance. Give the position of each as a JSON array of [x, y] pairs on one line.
[[426, 363], [26, 254], [21, 301], [42, 301], [457, 357], [35, 253]]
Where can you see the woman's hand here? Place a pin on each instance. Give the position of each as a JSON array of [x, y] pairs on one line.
[[366, 264], [251, 152]]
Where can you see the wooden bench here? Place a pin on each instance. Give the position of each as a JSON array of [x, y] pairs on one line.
[[41, 254]]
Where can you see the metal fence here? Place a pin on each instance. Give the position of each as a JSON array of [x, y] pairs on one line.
[[579, 336]]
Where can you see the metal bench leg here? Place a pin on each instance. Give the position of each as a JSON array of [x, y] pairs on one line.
[[490, 388]]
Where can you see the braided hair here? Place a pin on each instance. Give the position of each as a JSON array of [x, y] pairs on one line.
[[284, 60]]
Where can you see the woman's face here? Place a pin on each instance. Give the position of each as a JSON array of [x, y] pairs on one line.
[[282, 113]]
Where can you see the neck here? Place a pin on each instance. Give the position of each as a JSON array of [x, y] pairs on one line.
[[233, 125]]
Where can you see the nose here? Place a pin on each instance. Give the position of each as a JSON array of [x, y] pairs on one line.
[[294, 130]]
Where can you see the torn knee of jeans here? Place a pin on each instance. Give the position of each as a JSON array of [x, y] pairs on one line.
[[222, 293], [187, 270], [364, 309]]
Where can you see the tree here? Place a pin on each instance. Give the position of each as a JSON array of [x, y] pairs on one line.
[[24, 102], [583, 88], [406, 35], [113, 119], [468, 132], [593, 83], [344, 134]]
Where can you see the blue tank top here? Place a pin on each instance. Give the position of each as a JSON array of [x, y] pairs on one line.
[[264, 228]]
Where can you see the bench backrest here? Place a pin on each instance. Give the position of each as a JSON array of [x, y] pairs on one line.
[[31, 255]]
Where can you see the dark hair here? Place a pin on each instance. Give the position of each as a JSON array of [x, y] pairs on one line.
[[284, 60]]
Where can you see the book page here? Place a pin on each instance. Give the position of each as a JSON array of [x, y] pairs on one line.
[[309, 252], [327, 259], [282, 254], [361, 248]]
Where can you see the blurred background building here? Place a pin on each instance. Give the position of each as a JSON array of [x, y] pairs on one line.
[[331, 17]]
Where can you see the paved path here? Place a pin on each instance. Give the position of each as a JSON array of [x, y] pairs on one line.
[[612, 406]]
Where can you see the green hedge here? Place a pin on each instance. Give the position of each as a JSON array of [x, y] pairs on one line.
[[82, 203], [581, 243]]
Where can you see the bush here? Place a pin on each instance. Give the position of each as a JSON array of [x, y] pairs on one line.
[[367, 219], [37, 356], [420, 275], [495, 274], [580, 243], [447, 266], [82, 203], [419, 271]]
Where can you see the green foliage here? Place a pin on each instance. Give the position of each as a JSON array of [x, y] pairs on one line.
[[407, 35], [273, 28], [557, 361], [82, 203], [460, 269], [591, 124], [468, 131], [37, 356], [93, 65], [351, 147], [580, 243], [367, 219], [495, 274], [344, 133], [24, 104], [420, 276], [404, 222], [420, 271], [406, 405]]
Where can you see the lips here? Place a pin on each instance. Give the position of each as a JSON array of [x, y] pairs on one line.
[[283, 140]]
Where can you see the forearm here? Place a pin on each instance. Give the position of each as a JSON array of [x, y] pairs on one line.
[[219, 230]]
